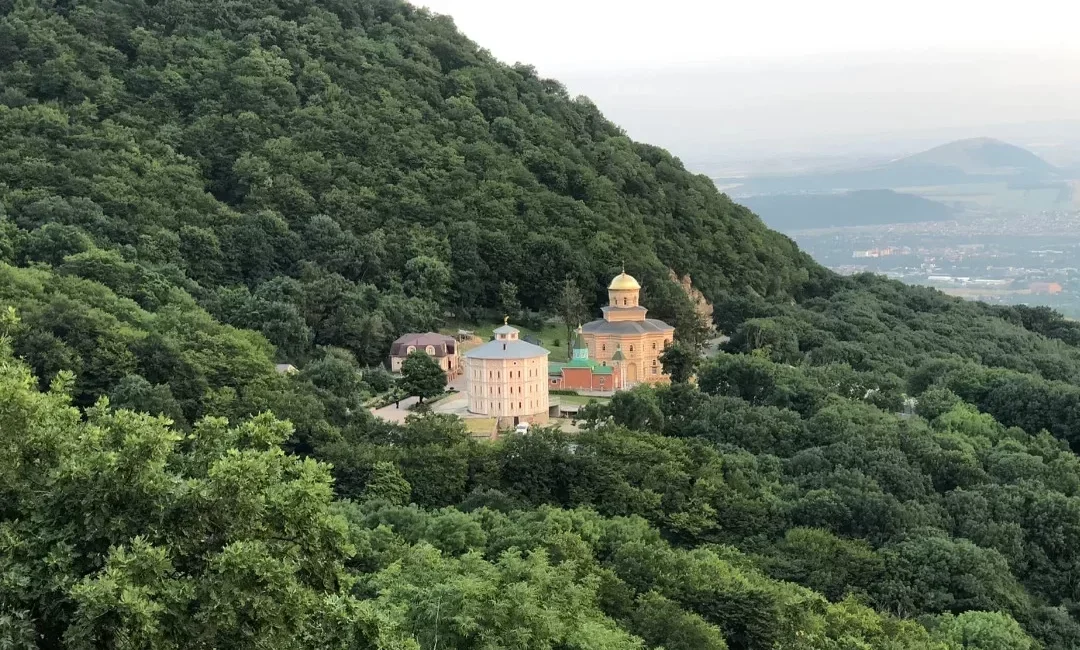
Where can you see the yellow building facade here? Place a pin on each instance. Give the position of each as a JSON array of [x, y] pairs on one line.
[[625, 338], [507, 378]]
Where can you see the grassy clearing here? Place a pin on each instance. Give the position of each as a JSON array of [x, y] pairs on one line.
[[579, 400], [552, 336], [480, 426]]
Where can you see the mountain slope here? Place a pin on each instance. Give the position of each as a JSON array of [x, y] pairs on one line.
[[239, 146], [192, 190]]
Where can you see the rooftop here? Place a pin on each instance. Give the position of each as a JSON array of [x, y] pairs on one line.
[[647, 326], [623, 282], [443, 344], [556, 367], [507, 349]]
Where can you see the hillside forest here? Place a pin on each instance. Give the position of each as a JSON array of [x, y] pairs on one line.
[[192, 191]]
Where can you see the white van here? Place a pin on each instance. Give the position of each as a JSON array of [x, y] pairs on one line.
[[522, 427]]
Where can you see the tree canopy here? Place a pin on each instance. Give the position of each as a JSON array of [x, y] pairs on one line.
[[421, 376], [193, 191]]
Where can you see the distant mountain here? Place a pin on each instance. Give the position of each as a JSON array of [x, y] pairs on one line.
[[788, 212], [979, 156], [976, 160]]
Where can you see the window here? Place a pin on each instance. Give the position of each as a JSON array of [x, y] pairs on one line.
[[410, 350], [624, 302], [631, 348], [603, 347], [554, 381], [519, 404], [489, 374], [430, 349], [654, 345], [654, 371]]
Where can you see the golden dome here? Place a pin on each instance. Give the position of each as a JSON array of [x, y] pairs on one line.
[[624, 282]]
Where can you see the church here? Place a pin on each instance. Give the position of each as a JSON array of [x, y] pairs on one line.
[[625, 339], [583, 373]]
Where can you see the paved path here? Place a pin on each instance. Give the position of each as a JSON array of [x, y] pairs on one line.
[[392, 414]]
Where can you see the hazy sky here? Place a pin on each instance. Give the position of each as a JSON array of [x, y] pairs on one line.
[[564, 35], [706, 77]]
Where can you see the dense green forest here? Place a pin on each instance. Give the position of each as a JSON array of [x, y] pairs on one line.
[[191, 191]]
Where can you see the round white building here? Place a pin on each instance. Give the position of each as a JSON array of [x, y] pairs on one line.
[[507, 378]]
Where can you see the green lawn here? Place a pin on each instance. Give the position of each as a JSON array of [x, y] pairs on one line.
[[548, 336], [579, 400], [480, 426]]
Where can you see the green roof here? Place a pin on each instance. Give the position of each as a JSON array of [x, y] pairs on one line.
[[556, 367]]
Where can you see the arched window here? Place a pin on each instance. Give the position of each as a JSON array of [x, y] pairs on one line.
[[430, 349], [603, 347], [654, 345], [410, 349], [631, 348], [624, 302]]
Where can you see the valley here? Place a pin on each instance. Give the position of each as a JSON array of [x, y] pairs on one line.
[[1033, 260], [985, 220]]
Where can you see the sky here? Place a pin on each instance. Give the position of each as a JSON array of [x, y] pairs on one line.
[[757, 77], [573, 35]]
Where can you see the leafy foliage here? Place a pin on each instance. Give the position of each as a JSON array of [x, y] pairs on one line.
[[192, 192], [421, 376]]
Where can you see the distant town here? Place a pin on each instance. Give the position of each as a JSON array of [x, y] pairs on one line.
[[1034, 259]]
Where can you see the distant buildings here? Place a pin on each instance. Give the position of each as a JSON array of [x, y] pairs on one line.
[[881, 252], [1047, 288], [441, 348]]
